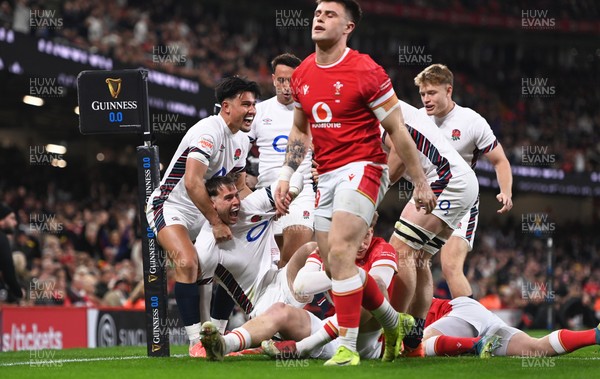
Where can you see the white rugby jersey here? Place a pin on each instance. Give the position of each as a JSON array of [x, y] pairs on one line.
[[467, 132], [211, 142], [270, 131], [243, 264], [439, 160]]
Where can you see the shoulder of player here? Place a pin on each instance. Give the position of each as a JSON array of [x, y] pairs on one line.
[[207, 126], [468, 114], [379, 245], [308, 62], [265, 104], [362, 62]]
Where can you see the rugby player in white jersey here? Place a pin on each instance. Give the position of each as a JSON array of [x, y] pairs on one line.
[[243, 265], [418, 236], [472, 137], [270, 130], [177, 209]]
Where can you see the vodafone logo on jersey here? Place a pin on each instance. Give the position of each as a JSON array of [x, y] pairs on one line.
[[322, 115], [321, 112]]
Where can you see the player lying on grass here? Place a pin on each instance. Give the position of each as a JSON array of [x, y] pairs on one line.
[[376, 257], [456, 326]]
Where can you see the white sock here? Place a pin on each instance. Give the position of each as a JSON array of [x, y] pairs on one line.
[[555, 342], [221, 324], [193, 332], [238, 339], [430, 346], [318, 339], [386, 315]]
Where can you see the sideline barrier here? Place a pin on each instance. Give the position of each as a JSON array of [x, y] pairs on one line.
[[36, 328]]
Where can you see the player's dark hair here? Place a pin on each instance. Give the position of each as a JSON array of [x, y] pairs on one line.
[[285, 59], [213, 184], [230, 87], [352, 7]]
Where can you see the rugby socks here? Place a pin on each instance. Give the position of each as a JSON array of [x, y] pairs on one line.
[[193, 333], [238, 339], [375, 302], [347, 297], [188, 302], [415, 336], [222, 306], [565, 341], [446, 345], [220, 324], [327, 333]]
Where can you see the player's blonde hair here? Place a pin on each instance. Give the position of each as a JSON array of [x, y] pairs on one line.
[[435, 74]]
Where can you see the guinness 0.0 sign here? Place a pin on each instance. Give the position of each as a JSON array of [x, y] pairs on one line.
[[113, 101]]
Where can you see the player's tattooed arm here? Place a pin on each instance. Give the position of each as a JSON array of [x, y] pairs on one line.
[[295, 153]]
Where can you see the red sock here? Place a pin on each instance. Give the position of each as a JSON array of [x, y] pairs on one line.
[[571, 340], [446, 345], [331, 330], [347, 297], [372, 298]]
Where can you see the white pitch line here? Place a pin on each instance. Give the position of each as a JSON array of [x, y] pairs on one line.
[[78, 360]]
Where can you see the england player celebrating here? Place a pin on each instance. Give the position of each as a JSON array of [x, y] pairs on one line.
[[472, 137], [177, 209], [418, 236], [270, 130], [340, 98]]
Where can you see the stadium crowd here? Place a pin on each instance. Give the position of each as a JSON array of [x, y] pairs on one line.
[[198, 42], [86, 252]]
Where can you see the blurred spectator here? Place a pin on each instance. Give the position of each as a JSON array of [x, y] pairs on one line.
[[10, 288]]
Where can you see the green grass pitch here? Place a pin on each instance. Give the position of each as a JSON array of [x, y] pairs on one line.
[[132, 363]]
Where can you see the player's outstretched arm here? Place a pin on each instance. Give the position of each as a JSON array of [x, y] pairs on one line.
[[196, 189], [501, 164], [407, 150], [397, 167], [297, 147]]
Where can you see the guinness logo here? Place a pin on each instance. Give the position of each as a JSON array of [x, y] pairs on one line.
[[155, 347], [114, 86], [152, 278]]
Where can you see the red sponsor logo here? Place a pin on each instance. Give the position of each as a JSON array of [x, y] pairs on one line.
[[256, 218], [317, 197], [350, 177], [206, 143]]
